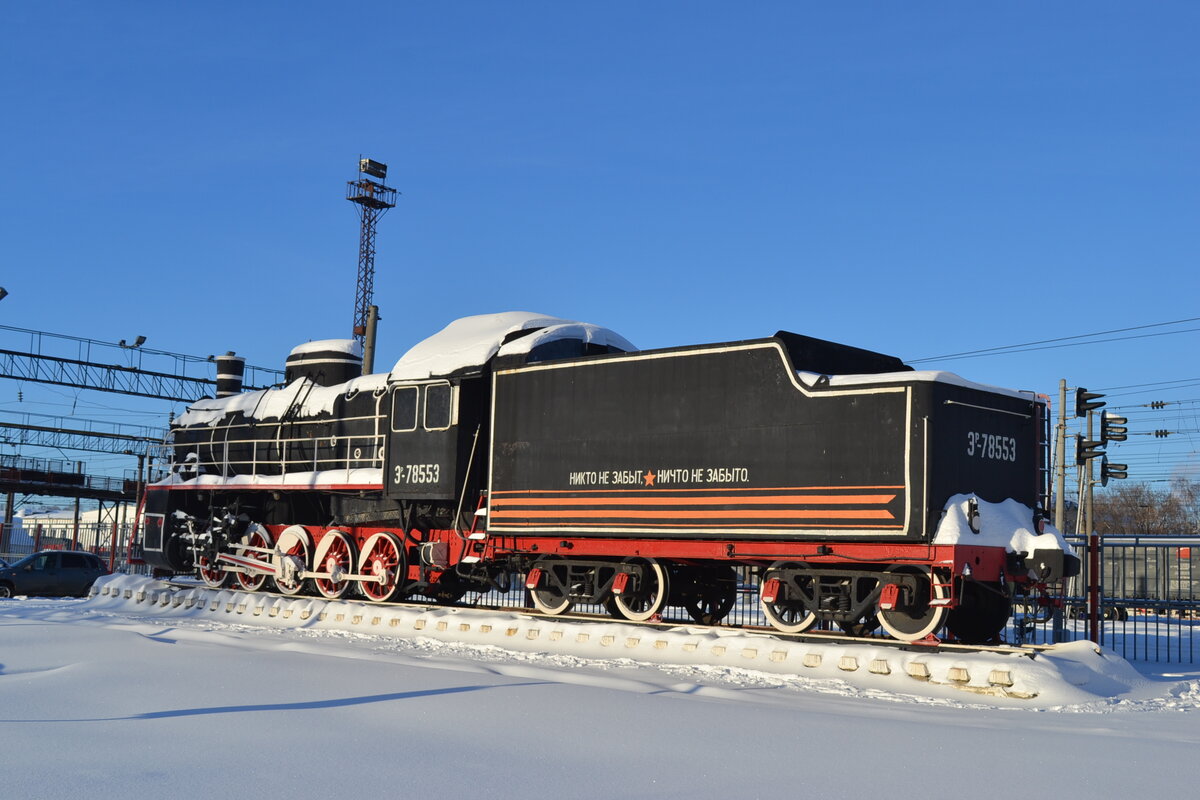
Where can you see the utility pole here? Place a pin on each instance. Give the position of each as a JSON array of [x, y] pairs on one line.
[[1060, 461]]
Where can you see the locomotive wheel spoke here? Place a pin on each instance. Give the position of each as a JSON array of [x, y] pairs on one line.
[[291, 559], [643, 599], [212, 573], [787, 613], [914, 618], [548, 597], [337, 559], [383, 556], [256, 536]]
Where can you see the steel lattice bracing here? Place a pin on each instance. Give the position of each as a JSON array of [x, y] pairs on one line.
[[57, 435], [373, 200], [92, 364], [102, 377]]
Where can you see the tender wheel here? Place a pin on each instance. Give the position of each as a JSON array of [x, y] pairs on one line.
[[291, 559], [913, 617], [787, 612], [383, 556], [712, 595], [549, 596], [212, 573], [335, 557], [644, 598], [256, 536], [983, 611]]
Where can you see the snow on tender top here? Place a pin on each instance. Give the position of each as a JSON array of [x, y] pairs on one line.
[[350, 346], [928, 376], [469, 342]]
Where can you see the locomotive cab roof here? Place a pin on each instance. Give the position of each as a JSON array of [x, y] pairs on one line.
[[465, 346]]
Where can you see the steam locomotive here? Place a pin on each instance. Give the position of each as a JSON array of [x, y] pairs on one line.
[[859, 493]]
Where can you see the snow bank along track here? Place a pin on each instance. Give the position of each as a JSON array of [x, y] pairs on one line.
[[1005, 674]]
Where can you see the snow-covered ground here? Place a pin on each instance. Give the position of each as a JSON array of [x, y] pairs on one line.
[[145, 691]]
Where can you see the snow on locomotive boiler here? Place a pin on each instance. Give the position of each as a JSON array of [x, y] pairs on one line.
[[859, 492]]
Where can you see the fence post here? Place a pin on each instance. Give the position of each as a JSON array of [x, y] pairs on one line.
[[37, 538], [1094, 588], [112, 548]]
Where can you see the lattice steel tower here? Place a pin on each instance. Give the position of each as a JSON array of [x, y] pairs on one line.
[[373, 200]]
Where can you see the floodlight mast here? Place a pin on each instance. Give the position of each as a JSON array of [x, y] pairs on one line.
[[373, 200]]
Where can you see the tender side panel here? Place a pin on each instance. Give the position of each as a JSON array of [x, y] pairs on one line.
[[713, 442], [983, 443]]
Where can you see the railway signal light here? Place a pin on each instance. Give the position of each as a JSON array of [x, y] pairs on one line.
[[1086, 401], [1086, 449], [1107, 470], [1112, 428]]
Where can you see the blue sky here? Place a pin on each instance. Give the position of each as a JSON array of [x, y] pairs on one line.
[[917, 178]]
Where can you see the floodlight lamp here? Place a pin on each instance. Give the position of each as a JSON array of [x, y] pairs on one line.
[[373, 168], [139, 341]]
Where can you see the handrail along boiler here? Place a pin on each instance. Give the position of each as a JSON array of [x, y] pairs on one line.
[[862, 493]]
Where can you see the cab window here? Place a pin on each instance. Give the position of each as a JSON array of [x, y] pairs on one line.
[[437, 406], [404, 409]]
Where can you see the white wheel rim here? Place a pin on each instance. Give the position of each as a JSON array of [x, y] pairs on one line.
[[334, 587], [545, 608], [253, 581], [936, 620], [371, 565], [658, 601], [778, 623], [288, 566]]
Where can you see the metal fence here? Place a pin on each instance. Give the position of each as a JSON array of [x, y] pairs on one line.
[[109, 540], [1149, 602]]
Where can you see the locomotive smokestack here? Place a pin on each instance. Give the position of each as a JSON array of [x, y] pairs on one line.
[[230, 369], [326, 363]]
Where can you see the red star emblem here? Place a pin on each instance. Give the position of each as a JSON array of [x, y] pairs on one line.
[[649, 478]]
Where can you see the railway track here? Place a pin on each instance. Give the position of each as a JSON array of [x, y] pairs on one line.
[[929, 645]]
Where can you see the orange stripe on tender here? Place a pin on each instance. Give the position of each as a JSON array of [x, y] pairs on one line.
[[500, 492], [662, 500], [749, 513], [707, 526]]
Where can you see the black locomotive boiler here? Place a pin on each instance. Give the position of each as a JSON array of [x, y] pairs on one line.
[[860, 493]]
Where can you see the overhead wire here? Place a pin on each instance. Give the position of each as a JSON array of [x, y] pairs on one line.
[[1027, 346]]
